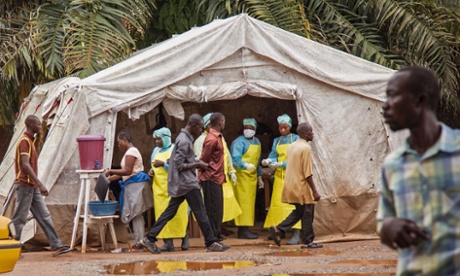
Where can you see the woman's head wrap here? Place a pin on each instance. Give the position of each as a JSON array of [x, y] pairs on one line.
[[250, 122], [165, 134], [207, 119], [285, 119]]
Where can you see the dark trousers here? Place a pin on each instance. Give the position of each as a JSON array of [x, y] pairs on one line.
[[195, 201], [305, 213], [214, 202]]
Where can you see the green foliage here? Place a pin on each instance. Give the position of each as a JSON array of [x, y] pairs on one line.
[[46, 40], [177, 16], [393, 33], [286, 14]]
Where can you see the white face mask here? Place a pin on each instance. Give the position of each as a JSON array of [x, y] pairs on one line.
[[249, 133]]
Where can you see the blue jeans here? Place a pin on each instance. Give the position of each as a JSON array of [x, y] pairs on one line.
[[30, 199]]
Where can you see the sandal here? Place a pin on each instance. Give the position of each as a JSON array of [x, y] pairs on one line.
[[61, 250], [311, 245], [275, 235]]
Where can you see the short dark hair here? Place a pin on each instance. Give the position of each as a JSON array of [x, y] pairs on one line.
[[124, 134], [215, 118], [194, 119], [31, 119], [303, 127], [422, 80]]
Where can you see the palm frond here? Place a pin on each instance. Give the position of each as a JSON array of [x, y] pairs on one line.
[[285, 14], [422, 38], [344, 25]]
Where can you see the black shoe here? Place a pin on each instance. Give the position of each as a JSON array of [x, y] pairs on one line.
[[282, 236], [275, 235], [168, 246], [220, 238], [150, 246], [185, 243], [217, 247], [226, 232]]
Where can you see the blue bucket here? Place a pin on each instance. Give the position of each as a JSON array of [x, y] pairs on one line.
[[106, 208]]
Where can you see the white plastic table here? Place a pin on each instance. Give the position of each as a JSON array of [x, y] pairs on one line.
[[85, 187]]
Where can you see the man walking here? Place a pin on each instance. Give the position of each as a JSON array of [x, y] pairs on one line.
[[419, 205], [299, 190], [213, 176], [29, 189], [183, 185]]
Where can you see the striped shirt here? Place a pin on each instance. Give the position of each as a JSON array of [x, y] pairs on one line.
[[426, 189], [26, 147]]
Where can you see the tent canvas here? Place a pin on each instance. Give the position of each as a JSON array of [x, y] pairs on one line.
[[339, 94]]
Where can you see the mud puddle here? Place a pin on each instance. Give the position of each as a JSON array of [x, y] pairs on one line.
[[156, 267]]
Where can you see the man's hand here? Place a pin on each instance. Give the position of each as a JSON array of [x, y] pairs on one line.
[[151, 173], [401, 233], [202, 165], [316, 196], [43, 189]]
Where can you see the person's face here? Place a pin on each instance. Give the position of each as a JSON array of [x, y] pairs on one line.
[[222, 123], [309, 134], [400, 110], [158, 142], [249, 127], [122, 143], [36, 125], [284, 129], [197, 129]]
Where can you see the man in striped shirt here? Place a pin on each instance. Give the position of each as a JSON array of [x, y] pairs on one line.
[[419, 207], [30, 190]]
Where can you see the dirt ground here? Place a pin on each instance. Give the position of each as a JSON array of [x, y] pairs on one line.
[[246, 257]]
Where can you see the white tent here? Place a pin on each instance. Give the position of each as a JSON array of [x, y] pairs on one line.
[[339, 94]]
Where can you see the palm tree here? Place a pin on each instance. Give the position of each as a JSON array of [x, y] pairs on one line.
[[40, 41], [393, 33]]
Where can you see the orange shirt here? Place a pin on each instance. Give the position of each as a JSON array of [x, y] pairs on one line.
[[26, 146], [299, 167]]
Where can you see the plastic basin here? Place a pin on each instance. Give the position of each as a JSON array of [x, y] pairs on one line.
[[106, 208]]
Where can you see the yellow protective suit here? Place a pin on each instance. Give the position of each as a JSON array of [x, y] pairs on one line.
[[278, 210], [231, 207], [246, 187], [177, 227]]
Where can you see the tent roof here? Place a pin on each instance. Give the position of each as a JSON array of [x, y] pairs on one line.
[[130, 83]]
